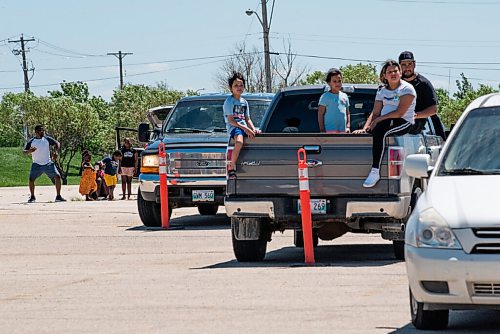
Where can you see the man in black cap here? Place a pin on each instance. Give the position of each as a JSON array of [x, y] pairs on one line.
[[426, 96]]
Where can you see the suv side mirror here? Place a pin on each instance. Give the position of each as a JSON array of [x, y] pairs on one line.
[[143, 132]]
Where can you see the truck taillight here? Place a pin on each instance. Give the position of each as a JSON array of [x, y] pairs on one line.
[[229, 154], [396, 162]]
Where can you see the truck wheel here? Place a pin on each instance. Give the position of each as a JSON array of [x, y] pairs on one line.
[[298, 238], [150, 212], [426, 319], [208, 209], [248, 250], [399, 249]]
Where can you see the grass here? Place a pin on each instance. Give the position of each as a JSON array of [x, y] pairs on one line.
[[15, 169]]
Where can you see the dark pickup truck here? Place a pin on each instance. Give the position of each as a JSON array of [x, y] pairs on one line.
[[265, 196], [195, 138]]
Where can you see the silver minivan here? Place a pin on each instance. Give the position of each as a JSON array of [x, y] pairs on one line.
[[452, 241]]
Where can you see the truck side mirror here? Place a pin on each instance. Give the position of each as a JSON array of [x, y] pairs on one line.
[[143, 132], [418, 165]]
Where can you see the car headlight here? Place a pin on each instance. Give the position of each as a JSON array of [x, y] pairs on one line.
[[434, 232], [150, 160]]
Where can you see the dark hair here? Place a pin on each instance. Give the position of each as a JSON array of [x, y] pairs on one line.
[[39, 127], [294, 121], [389, 62], [331, 73], [234, 77], [117, 153], [85, 152]]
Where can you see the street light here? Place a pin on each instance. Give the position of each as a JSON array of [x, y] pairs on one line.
[[265, 31]]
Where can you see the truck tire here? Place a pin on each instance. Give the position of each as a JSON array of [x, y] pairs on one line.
[[298, 238], [426, 319], [150, 212], [399, 249], [208, 209], [248, 250]]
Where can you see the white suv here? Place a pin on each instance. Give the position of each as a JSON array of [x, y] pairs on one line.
[[452, 243]]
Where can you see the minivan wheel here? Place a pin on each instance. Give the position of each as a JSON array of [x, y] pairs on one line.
[[426, 319]]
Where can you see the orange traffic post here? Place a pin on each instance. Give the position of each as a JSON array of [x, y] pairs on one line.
[[305, 204], [163, 185]]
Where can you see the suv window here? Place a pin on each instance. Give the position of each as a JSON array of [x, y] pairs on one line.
[[302, 109]]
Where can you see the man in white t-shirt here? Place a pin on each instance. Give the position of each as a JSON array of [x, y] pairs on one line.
[[39, 148]]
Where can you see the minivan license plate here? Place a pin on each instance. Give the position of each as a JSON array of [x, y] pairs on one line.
[[203, 195], [318, 206]]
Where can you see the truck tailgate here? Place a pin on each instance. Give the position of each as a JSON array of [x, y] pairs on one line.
[[339, 163]]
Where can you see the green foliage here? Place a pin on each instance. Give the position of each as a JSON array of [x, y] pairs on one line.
[[77, 91], [360, 74], [450, 109], [129, 104], [11, 119], [355, 74], [314, 78]]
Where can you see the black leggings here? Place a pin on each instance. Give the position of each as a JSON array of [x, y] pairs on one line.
[[393, 126]]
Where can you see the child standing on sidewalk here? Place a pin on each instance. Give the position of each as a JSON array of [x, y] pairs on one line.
[[237, 118], [110, 170], [333, 111], [88, 186]]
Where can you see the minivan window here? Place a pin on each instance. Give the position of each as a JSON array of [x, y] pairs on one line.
[[475, 148]]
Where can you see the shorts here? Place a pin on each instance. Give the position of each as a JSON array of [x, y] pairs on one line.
[[127, 171], [111, 180], [237, 131], [49, 169]]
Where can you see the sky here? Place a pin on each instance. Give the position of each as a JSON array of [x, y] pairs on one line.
[[184, 43]]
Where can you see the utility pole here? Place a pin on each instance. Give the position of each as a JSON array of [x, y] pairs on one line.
[[265, 32], [267, 58], [22, 52], [120, 55]]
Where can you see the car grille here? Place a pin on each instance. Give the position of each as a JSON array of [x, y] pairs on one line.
[[197, 164], [487, 289], [487, 240]]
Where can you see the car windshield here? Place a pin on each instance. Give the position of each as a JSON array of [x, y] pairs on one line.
[[475, 149], [199, 116]]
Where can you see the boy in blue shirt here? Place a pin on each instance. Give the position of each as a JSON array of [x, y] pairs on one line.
[[237, 118], [333, 111]]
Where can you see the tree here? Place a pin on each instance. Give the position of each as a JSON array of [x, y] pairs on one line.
[[250, 63], [71, 123], [11, 119], [354, 74], [129, 105]]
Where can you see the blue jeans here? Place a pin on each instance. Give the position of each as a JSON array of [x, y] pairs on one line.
[[49, 169]]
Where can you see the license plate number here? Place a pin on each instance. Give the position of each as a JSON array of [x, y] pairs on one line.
[[203, 195], [318, 206]]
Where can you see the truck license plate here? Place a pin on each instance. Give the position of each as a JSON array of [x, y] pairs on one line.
[[318, 206], [203, 195]]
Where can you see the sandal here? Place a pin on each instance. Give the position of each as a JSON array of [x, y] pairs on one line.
[[231, 174]]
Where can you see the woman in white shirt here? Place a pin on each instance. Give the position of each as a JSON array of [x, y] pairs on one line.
[[392, 114]]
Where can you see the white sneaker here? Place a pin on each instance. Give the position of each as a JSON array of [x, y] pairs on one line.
[[372, 178]]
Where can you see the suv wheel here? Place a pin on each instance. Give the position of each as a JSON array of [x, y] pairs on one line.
[[426, 319], [150, 212]]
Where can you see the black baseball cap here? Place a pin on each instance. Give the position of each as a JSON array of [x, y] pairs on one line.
[[406, 55]]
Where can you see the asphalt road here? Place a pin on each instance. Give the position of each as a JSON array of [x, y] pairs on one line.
[[91, 267]]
